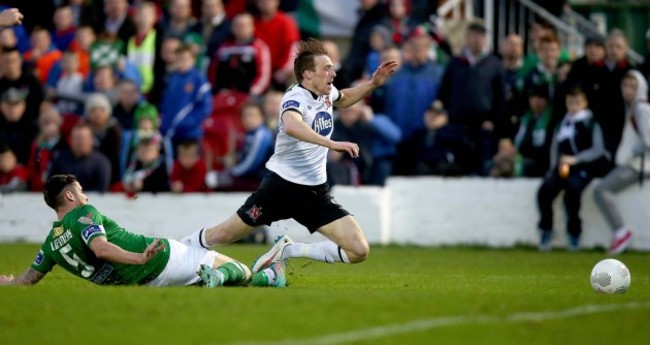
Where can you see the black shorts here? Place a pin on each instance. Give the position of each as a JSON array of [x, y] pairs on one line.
[[277, 198]]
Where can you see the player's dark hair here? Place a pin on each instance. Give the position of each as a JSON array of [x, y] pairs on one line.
[[54, 187], [304, 61]]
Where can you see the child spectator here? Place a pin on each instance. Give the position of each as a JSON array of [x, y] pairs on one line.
[[632, 159], [576, 147], [147, 124], [83, 41], [399, 20], [64, 29], [148, 172], [13, 176], [186, 103], [251, 157], [379, 40], [188, 173], [533, 139], [46, 147], [43, 54]]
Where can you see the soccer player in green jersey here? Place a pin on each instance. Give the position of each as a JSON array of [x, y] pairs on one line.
[[94, 247]]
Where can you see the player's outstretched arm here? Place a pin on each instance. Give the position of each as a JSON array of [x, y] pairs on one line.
[[10, 17], [354, 94], [110, 252], [29, 277], [295, 127]]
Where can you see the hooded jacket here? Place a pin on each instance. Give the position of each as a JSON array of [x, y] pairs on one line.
[[636, 131]]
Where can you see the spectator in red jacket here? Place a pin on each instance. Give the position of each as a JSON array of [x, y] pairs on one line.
[[188, 173], [280, 32], [243, 63], [13, 176]]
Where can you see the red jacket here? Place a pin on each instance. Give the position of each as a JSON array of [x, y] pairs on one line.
[[193, 179]]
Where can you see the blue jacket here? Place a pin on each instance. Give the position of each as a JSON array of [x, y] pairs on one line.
[[187, 101], [387, 136], [258, 146], [410, 92]]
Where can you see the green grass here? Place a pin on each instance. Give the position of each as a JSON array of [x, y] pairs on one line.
[[447, 289]]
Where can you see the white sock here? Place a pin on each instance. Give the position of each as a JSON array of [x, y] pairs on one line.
[[195, 239], [270, 274], [326, 251]]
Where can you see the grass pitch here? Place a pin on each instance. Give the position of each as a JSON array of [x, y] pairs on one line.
[[401, 295]]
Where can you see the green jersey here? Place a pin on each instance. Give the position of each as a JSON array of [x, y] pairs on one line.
[[68, 245]]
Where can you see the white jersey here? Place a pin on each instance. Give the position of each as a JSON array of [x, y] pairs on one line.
[[299, 161]]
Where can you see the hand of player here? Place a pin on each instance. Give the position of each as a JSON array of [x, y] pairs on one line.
[[344, 146], [6, 280], [10, 17], [383, 72], [154, 248]]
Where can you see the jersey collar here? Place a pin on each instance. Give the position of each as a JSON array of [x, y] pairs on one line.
[[314, 95]]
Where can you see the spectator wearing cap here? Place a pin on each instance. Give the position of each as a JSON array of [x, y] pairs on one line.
[[16, 130], [91, 167], [13, 76], [106, 131], [473, 92], [439, 148], [414, 86]]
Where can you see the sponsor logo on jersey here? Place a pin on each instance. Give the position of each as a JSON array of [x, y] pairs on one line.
[[291, 103], [57, 231], [87, 219], [323, 123], [254, 212], [103, 273], [61, 240], [39, 258], [91, 230]]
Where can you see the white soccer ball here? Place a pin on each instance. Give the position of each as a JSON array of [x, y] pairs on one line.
[[610, 276]]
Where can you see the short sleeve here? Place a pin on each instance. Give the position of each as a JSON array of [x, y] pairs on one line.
[[335, 94], [43, 263], [90, 224], [292, 103]]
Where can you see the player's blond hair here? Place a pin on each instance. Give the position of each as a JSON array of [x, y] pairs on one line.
[[304, 61]]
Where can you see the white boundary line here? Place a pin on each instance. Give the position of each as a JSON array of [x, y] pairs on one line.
[[439, 322]]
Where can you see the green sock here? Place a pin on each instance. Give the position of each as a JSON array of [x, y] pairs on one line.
[[260, 279], [233, 273]]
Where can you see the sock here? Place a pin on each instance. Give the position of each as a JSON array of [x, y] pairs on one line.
[[195, 239], [263, 278], [326, 251], [234, 274]]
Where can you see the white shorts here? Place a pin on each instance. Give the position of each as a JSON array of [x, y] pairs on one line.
[[184, 262]]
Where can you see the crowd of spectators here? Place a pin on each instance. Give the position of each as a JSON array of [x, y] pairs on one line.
[[183, 96]]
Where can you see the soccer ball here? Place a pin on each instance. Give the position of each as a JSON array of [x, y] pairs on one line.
[[610, 276]]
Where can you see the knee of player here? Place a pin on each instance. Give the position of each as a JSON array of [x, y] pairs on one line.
[[360, 252]]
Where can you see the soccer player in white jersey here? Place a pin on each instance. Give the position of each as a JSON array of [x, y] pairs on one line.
[[296, 186]]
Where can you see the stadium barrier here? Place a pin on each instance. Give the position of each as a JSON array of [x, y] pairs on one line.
[[420, 211]]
